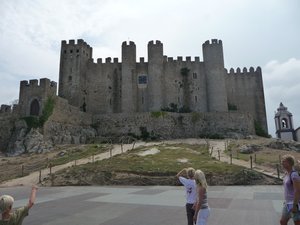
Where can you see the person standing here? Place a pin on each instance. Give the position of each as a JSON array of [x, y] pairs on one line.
[[186, 177], [202, 210], [291, 185], [17, 216]]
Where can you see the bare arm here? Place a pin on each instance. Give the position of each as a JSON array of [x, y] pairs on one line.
[[200, 193], [182, 173], [32, 196]]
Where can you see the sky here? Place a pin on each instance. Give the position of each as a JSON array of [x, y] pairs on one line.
[[263, 33]]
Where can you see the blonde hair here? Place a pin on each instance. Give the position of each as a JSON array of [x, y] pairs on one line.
[[289, 158], [200, 179], [190, 172], [6, 202]]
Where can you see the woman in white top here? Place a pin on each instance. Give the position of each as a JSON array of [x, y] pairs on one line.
[[186, 177], [202, 210]]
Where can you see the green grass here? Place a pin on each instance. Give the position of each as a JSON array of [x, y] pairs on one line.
[[165, 162], [79, 153]]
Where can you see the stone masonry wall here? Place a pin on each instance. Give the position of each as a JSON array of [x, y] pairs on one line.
[[68, 125], [175, 125]]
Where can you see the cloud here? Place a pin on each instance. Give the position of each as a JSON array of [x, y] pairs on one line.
[[282, 84]]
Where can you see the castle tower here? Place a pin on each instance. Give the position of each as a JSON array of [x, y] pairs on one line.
[[72, 71], [284, 123], [32, 96], [155, 71], [129, 83], [215, 76]]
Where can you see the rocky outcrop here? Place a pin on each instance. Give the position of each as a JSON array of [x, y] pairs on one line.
[[24, 141], [284, 145]]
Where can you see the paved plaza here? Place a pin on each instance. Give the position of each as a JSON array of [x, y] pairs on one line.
[[149, 205]]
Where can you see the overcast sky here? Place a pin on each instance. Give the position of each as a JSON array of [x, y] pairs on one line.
[[263, 33]]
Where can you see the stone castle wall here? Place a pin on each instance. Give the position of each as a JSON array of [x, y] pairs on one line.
[[245, 91], [129, 86], [175, 125]]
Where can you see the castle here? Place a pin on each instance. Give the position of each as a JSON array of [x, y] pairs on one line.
[[130, 86], [117, 97]]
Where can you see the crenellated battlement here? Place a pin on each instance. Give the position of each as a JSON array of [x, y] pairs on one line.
[[212, 42], [155, 43], [244, 72], [180, 59], [80, 42], [81, 47], [44, 83], [130, 43]]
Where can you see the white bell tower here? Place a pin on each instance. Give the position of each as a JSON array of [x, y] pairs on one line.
[[284, 124]]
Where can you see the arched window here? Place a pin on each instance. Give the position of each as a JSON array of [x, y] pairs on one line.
[[34, 108], [284, 123]]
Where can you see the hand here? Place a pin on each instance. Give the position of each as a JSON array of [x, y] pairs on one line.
[[195, 219]]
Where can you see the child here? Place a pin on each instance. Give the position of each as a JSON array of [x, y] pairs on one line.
[[17, 216]]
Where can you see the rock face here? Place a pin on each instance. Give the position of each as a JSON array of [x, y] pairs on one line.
[[285, 145], [249, 149], [23, 141]]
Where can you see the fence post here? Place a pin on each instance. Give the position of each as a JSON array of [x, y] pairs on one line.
[[40, 177], [278, 173], [219, 155], [22, 169], [50, 168], [122, 146], [133, 145], [251, 162], [93, 158], [212, 149], [230, 158], [75, 162], [254, 158]]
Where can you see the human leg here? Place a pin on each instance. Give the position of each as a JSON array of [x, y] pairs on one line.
[[190, 212], [202, 216]]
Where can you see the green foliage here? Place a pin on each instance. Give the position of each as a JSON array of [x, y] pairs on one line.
[[232, 107], [195, 117], [259, 131], [47, 111], [184, 71], [32, 122], [144, 133], [173, 108], [35, 122], [158, 114], [184, 109], [211, 136]]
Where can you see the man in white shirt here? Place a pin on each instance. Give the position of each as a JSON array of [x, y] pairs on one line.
[[186, 177]]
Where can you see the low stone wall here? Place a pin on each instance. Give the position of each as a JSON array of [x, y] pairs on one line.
[[166, 125]]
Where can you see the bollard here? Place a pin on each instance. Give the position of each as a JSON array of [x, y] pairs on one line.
[[251, 162]]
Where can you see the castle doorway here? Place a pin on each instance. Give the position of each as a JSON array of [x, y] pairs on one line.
[[34, 108]]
